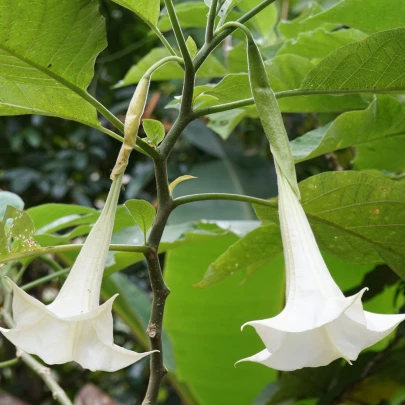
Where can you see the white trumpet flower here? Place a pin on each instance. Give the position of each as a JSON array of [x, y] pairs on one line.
[[318, 324], [74, 327]]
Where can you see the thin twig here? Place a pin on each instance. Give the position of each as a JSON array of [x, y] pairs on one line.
[[209, 32], [68, 248]]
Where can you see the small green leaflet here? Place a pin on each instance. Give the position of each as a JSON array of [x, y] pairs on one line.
[[376, 62], [179, 180], [191, 46], [143, 214], [155, 131], [148, 10]]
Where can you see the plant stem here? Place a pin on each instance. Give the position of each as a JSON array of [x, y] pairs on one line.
[[165, 202], [283, 94], [165, 42], [184, 116], [178, 33], [9, 363], [222, 196], [208, 48], [50, 262], [67, 248], [159, 289], [209, 32], [148, 74], [44, 279], [44, 372]]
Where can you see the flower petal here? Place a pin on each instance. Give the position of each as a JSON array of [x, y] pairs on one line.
[[351, 337], [311, 348], [312, 313], [86, 338]]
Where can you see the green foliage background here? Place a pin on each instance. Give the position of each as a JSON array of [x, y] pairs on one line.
[[47, 160]]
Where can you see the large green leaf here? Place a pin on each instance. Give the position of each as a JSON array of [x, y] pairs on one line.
[[355, 216], [148, 10], [47, 54], [376, 62], [319, 43], [211, 68], [379, 129], [286, 72], [365, 15], [204, 324]]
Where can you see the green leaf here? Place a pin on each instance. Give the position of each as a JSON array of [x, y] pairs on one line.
[[174, 236], [254, 249], [355, 216], [191, 46], [376, 62], [285, 72], [142, 212], [45, 63], [372, 130], [303, 23], [155, 131], [16, 232], [206, 323], [319, 43], [264, 21], [224, 123], [190, 15], [7, 198], [148, 10], [365, 15], [211, 68]]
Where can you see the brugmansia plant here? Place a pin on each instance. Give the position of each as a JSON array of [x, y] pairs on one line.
[[325, 61]]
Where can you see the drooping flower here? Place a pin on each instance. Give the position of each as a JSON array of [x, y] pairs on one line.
[[318, 324], [74, 327]]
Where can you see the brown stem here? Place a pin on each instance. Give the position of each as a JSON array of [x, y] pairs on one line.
[[159, 289]]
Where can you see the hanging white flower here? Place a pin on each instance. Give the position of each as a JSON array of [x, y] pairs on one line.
[[75, 327], [318, 324]]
